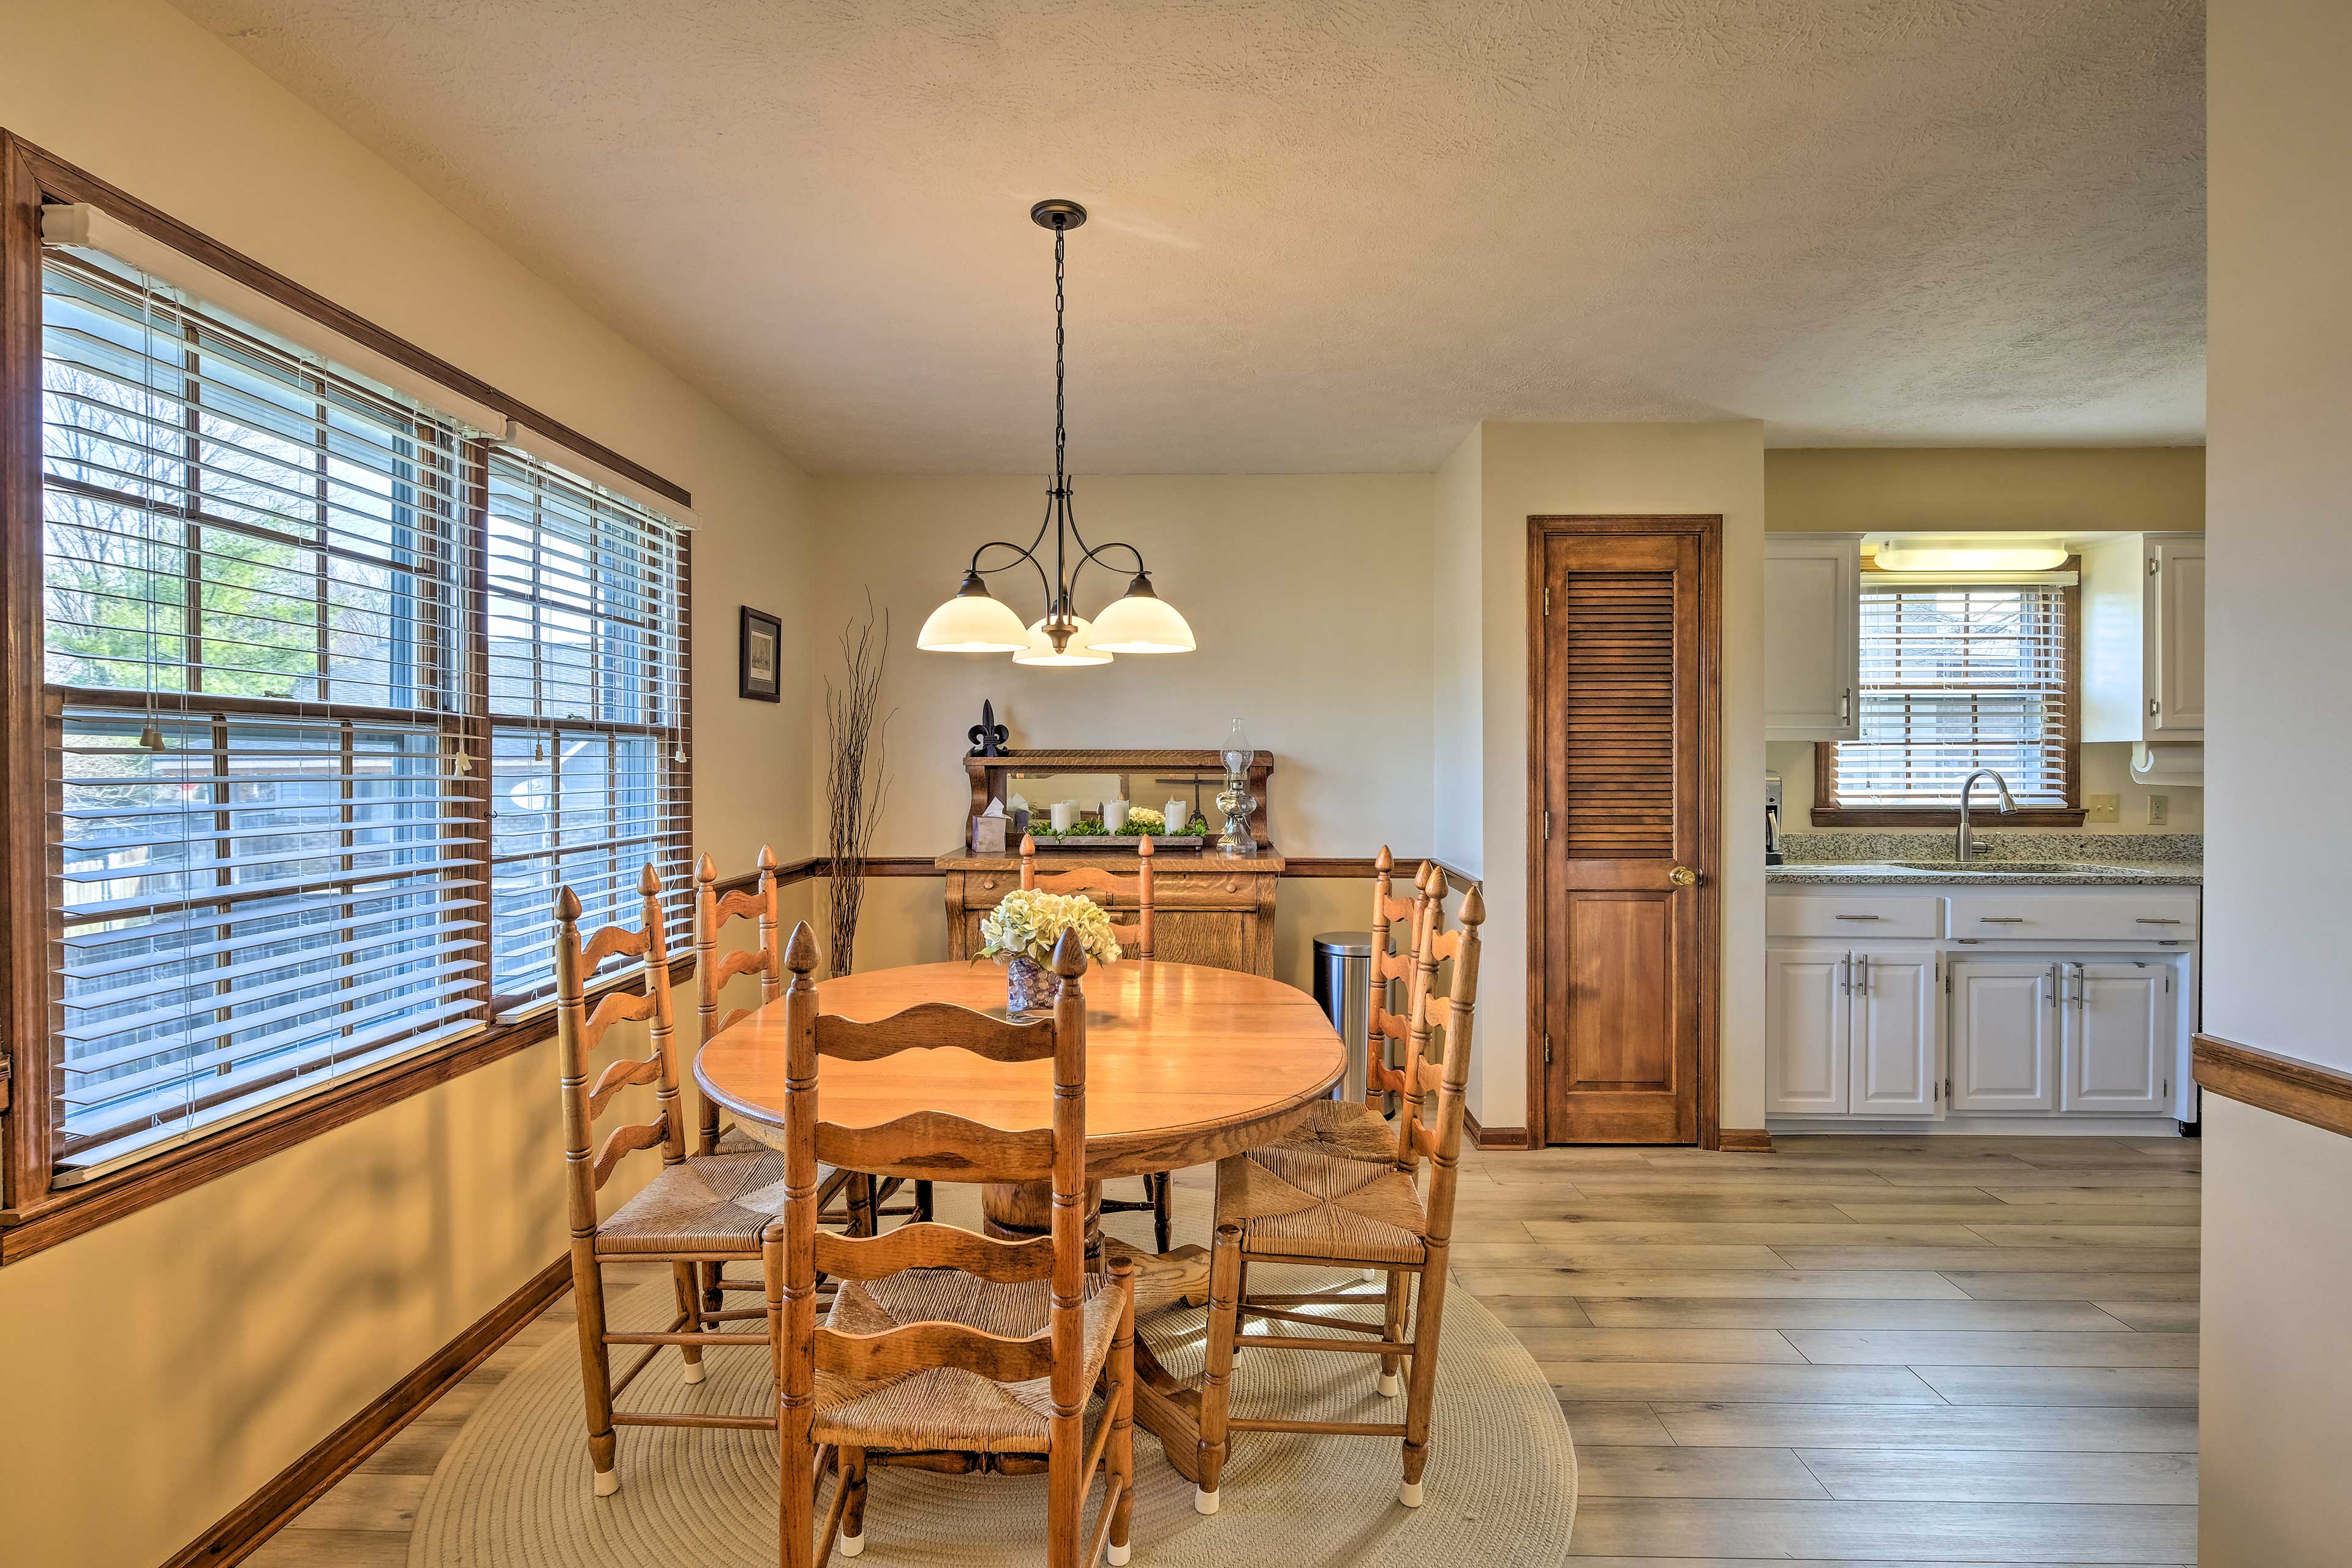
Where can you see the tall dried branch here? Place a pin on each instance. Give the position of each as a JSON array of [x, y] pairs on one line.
[[859, 777]]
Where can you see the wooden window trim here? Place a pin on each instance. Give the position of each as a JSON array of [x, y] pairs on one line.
[[33, 1214], [1827, 814]]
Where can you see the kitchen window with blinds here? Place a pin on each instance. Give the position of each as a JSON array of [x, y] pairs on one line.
[[1957, 676], [337, 688]]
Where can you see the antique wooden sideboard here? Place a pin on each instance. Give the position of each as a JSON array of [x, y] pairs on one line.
[[1210, 907]]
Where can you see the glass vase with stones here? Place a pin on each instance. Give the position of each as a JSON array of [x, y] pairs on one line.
[[1029, 986]]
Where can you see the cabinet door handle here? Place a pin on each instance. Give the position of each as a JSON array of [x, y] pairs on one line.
[[1861, 975], [2079, 985], [1846, 704], [2155, 920], [2154, 708], [1845, 975], [1879, 917], [2002, 919]]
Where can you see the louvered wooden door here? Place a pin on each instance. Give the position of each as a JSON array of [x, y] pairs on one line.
[[1624, 739]]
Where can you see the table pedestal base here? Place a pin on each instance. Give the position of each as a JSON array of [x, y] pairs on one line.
[[1168, 1409]]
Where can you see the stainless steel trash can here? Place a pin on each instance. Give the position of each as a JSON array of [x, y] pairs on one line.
[[1343, 976]]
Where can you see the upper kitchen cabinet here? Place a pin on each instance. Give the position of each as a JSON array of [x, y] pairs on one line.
[[2144, 651], [1812, 637]]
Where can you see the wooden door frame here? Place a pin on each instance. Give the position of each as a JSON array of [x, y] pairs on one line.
[[1707, 529]]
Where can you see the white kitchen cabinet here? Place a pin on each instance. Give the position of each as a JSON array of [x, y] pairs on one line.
[[2176, 641], [1853, 1031], [2143, 599], [1808, 995], [2004, 1034], [1897, 997], [1812, 637], [2117, 1039]]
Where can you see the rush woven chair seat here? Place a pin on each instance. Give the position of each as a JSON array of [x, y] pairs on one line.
[[1356, 1129], [945, 1349], [1096, 879], [696, 1213], [1294, 1203], [948, 1407], [1289, 1204], [716, 1203]]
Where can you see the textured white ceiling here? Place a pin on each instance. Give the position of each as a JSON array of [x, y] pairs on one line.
[[1326, 236]]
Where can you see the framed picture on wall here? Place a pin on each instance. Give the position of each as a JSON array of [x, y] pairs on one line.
[[762, 642]]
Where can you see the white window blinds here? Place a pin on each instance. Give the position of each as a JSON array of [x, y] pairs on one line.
[[266, 871], [339, 690], [1956, 677], [587, 700]]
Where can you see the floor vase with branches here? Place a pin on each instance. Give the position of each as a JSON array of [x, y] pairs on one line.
[[858, 777]]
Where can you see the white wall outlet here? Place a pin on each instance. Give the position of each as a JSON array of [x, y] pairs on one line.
[[2102, 808], [2160, 810]]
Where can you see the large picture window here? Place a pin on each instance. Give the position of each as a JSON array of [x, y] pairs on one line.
[[337, 691], [1957, 676]]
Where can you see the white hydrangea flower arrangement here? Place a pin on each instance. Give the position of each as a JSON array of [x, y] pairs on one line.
[[1021, 931], [1143, 819], [1026, 924]]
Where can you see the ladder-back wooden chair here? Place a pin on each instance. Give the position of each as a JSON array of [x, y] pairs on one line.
[[1359, 1129], [1097, 879], [851, 1198], [1281, 1204], [941, 1343], [698, 1210]]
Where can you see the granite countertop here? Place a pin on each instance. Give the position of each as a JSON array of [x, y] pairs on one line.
[[2084, 859]]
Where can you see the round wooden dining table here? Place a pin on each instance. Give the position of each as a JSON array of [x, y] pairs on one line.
[[1185, 1064]]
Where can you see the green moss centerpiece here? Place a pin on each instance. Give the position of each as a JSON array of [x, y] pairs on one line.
[[1021, 931]]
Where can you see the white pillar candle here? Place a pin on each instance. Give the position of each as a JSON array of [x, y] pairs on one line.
[[1066, 815], [1178, 814], [1115, 815]]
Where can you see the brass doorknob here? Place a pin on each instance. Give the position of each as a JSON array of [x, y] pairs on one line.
[[1682, 877]]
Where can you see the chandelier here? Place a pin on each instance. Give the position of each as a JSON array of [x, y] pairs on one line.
[[976, 621]]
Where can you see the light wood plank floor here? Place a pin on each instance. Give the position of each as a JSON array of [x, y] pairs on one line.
[[1850, 1352]]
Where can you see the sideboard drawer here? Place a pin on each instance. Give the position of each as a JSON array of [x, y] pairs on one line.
[[2134, 916], [1853, 915]]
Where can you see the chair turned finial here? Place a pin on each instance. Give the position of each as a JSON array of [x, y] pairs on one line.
[[706, 869], [1143, 848], [567, 905], [800, 949], [649, 881], [1385, 861], [1069, 956], [1474, 906], [1430, 879], [767, 859], [1028, 845]]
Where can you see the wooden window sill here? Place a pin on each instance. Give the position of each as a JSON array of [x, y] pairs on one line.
[[1924, 817]]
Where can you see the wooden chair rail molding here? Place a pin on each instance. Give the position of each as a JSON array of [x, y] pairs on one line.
[[2317, 1096]]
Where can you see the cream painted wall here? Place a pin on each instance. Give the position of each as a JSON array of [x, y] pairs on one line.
[[2277, 1386], [1857, 490], [1457, 641], [1308, 594], [275, 1303], [1529, 469]]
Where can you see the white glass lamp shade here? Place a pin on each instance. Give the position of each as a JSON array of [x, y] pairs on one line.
[[1236, 751], [1077, 651], [1143, 622], [975, 621]]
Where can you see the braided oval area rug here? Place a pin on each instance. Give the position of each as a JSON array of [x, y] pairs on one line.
[[513, 1490]]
